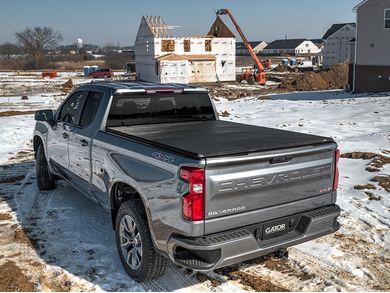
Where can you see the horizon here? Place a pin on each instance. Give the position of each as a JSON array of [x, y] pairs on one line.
[[96, 22]]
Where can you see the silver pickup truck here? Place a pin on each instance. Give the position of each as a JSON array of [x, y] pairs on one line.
[[179, 183]]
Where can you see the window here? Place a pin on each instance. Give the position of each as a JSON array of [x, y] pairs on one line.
[[157, 68], [168, 46], [387, 18], [90, 108], [208, 45], [187, 45], [127, 110], [70, 110]]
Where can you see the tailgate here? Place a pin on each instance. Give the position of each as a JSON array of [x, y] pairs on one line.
[[259, 187]]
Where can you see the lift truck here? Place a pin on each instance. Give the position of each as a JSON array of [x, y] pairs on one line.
[[251, 75]]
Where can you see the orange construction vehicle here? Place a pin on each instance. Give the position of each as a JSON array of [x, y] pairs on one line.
[[251, 75]]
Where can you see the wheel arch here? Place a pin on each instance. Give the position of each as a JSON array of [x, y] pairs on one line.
[[120, 192], [37, 141]]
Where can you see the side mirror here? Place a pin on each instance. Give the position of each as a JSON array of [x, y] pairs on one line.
[[45, 115]]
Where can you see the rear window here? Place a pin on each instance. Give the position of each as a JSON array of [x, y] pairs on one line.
[[127, 110]]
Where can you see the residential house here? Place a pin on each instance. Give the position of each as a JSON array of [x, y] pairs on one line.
[[257, 47], [337, 49], [371, 68], [160, 57], [291, 47]]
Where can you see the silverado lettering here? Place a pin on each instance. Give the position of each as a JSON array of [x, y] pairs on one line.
[[266, 180]]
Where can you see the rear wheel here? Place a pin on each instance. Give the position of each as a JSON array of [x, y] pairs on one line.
[[45, 180], [251, 80], [134, 244]]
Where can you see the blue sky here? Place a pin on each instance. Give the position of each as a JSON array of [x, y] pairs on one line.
[[99, 22]]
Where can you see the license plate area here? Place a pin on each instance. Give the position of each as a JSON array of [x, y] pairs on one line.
[[278, 227]]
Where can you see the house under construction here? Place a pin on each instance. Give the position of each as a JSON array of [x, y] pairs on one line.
[[160, 57]]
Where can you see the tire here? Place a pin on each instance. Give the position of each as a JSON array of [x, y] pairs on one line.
[[144, 263], [251, 80], [45, 180], [238, 78]]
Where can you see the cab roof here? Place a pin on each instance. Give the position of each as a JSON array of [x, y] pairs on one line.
[[123, 86]]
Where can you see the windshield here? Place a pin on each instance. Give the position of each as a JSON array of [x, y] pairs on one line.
[[127, 109]]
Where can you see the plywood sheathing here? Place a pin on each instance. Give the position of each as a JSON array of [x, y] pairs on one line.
[[207, 45], [220, 30], [168, 45], [187, 45]]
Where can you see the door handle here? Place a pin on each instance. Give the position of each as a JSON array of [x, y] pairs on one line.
[[65, 135], [84, 142]]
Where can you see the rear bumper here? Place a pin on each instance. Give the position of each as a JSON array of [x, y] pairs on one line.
[[223, 249]]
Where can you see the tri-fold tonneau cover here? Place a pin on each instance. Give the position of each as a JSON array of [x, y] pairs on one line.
[[205, 139]]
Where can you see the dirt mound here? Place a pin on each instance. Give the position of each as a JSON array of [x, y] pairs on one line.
[[334, 78], [13, 279], [256, 283], [359, 155], [284, 68], [383, 181], [5, 217], [15, 113], [67, 86]]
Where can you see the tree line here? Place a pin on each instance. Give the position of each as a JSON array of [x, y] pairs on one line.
[[34, 44]]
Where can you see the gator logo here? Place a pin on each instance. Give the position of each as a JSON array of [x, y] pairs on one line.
[[163, 158], [274, 229]]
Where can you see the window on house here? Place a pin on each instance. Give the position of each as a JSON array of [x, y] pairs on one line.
[[208, 46], [387, 18], [187, 45], [167, 45]]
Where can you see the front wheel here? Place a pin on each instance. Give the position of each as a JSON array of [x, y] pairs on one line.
[[44, 179], [251, 80], [134, 244]]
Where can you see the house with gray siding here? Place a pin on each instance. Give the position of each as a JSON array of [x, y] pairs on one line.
[[257, 47], [337, 44], [371, 68]]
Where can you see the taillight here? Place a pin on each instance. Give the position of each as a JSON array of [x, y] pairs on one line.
[[193, 201], [336, 170]]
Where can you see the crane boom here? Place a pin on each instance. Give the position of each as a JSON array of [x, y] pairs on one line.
[[261, 74]]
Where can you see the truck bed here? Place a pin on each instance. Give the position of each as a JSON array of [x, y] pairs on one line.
[[205, 139]]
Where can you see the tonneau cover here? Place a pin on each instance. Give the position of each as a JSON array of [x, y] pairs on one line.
[[218, 138]]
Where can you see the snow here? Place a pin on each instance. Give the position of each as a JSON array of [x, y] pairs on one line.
[[15, 131]]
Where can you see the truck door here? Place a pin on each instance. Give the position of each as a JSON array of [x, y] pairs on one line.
[[80, 143], [58, 138]]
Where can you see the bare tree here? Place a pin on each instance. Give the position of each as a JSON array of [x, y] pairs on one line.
[[7, 50], [37, 40]]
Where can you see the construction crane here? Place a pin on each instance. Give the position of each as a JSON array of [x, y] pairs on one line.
[[249, 74]]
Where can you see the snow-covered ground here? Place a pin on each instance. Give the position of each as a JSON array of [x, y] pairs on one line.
[[68, 244]]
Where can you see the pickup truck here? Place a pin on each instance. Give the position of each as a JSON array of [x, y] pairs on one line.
[[179, 183]]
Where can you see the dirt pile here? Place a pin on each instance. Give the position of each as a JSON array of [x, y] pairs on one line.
[[284, 68], [334, 78], [67, 86], [13, 279]]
